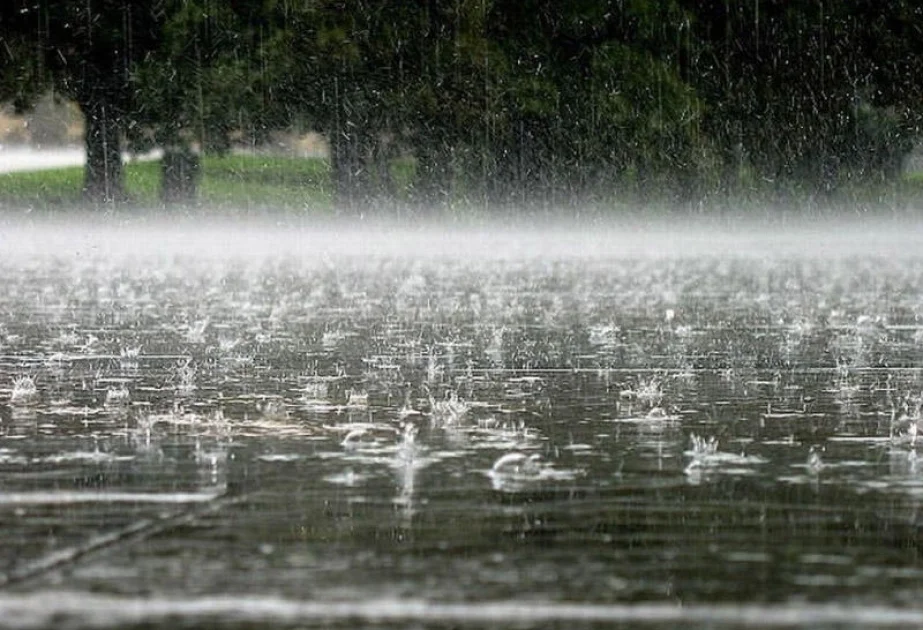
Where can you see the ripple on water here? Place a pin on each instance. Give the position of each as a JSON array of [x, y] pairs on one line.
[[45, 610], [375, 400]]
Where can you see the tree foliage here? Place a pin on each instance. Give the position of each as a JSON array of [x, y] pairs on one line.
[[85, 50], [495, 101]]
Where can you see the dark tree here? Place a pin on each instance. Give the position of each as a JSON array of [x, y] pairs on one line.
[[503, 101], [85, 50], [808, 95], [204, 86], [339, 69]]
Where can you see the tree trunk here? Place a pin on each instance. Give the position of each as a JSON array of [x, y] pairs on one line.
[[103, 171], [432, 187], [180, 169], [349, 171]]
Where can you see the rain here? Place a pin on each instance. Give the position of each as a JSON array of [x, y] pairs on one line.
[[460, 314]]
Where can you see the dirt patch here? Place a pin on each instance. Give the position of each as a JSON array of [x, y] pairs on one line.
[[52, 122], [13, 129]]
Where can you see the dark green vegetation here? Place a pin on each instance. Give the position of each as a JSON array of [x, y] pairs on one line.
[[495, 102]]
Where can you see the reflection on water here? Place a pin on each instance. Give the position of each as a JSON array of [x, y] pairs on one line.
[[594, 429]]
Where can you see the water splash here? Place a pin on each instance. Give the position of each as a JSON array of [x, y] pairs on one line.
[[705, 457], [24, 392], [448, 412], [517, 472], [118, 396]]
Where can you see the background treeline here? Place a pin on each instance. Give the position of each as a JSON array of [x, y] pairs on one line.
[[500, 102]]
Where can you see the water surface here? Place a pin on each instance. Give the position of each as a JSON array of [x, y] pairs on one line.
[[288, 427]]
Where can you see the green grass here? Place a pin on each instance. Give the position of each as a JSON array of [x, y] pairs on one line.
[[142, 181], [914, 181], [60, 186], [241, 184], [233, 183], [244, 181]]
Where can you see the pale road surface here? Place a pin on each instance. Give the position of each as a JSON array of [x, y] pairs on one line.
[[26, 158]]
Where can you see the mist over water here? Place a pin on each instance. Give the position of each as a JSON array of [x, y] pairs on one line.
[[549, 238], [295, 425]]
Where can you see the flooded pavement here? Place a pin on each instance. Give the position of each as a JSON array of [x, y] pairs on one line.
[[308, 429]]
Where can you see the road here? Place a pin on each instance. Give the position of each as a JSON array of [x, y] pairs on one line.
[[17, 158], [26, 158]]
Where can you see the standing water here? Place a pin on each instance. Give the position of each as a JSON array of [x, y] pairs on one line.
[[292, 428]]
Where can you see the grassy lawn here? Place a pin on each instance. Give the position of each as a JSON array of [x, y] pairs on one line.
[[244, 184], [233, 183], [289, 184], [60, 186], [913, 183]]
